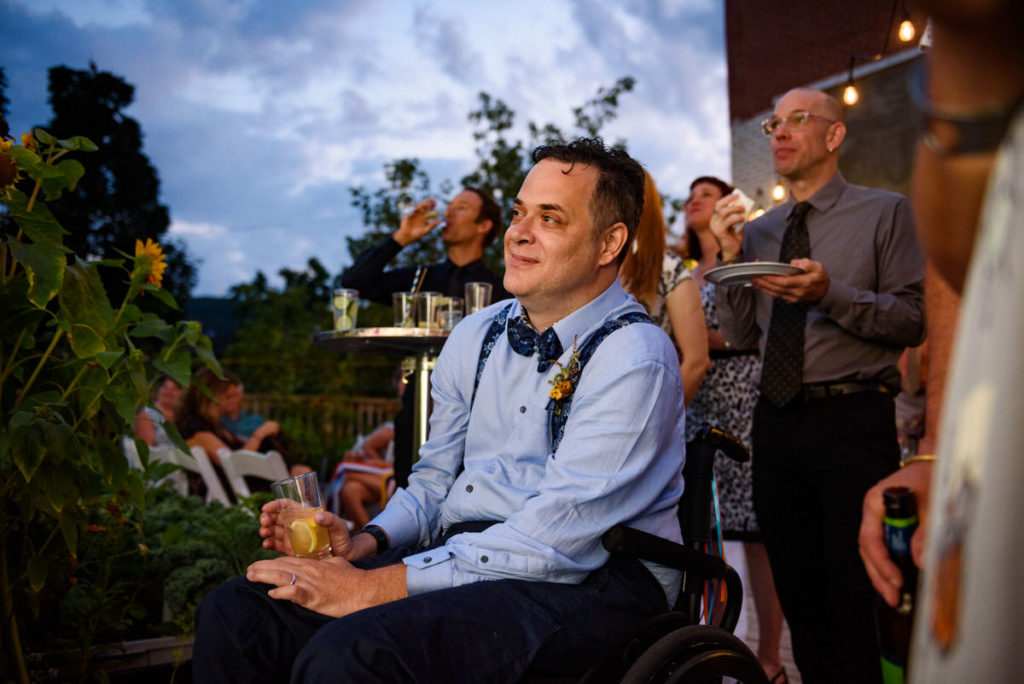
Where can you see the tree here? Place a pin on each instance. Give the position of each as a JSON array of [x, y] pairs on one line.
[[502, 165], [272, 350], [117, 201]]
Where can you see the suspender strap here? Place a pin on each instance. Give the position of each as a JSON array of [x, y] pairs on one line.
[[559, 408]]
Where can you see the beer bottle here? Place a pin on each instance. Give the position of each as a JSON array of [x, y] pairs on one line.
[[895, 623]]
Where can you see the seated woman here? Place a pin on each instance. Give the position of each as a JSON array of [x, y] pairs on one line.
[[364, 472], [149, 421], [198, 421]]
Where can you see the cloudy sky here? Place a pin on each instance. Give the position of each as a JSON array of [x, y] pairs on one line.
[[259, 115]]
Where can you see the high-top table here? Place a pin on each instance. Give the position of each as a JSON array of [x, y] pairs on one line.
[[418, 346]]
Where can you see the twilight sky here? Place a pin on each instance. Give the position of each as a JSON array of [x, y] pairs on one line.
[[259, 115]]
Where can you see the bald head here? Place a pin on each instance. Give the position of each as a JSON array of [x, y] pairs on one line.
[[823, 103]]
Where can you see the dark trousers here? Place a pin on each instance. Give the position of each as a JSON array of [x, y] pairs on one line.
[[490, 631], [813, 463]]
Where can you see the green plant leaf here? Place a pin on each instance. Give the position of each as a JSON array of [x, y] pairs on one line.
[[109, 358], [153, 327], [59, 487], [125, 400], [178, 366], [174, 534], [28, 161], [204, 351], [86, 310], [44, 265], [64, 175], [43, 136], [27, 444], [163, 295], [172, 432], [78, 142], [69, 530], [38, 567]]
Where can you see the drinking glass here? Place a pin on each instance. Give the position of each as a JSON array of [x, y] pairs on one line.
[[345, 305], [478, 296], [405, 314], [426, 309], [449, 313], [300, 500]]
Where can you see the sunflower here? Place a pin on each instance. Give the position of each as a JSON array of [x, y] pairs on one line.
[[151, 250]]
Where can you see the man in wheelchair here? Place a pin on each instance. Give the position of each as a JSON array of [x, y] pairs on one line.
[[556, 417]]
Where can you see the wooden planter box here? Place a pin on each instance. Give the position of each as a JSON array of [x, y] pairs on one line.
[[120, 660]]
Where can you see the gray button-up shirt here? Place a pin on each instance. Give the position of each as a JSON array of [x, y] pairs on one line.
[[874, 307]]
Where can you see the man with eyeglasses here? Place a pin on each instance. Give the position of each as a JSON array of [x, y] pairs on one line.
[[830, 337]]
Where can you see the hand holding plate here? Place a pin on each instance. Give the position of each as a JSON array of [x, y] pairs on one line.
[[809, 286]]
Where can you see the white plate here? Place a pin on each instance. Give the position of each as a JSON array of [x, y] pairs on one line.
[[740, 274]]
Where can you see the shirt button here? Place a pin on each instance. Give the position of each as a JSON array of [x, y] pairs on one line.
[[469, 488], [522, 409], [427, 559], [483, 559]]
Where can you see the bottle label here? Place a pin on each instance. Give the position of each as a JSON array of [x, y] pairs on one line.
[[898, 533], [892, 673]]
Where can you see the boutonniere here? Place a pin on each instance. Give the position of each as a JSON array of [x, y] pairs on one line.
[[564, 382]]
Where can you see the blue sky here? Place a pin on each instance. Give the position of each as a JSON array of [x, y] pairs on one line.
[[259, 115]]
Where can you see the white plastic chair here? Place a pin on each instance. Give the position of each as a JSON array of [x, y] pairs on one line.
[[194, 462], [241, 462]]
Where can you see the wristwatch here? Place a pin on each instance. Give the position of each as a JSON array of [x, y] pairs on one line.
[[946, 133], [383, 543]]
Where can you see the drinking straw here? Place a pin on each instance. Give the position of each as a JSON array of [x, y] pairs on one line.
[[417, 280]]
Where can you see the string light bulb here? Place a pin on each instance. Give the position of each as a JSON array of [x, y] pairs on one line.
[[906, 31], [778, 192], [850, 94], [757, 213]]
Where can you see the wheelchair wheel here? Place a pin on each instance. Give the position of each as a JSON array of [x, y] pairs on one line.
[[696, 654]]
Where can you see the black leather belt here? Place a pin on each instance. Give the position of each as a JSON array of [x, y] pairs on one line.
[[823, 390]]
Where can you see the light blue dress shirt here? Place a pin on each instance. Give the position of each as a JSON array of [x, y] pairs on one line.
[[620, 459]]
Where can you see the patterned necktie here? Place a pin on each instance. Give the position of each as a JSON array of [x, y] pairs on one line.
[[783, 368], [526, 341]]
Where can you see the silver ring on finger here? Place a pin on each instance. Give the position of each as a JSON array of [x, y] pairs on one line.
[[293, 580]]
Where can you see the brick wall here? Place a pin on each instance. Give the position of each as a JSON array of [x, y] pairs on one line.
[[773, 46]]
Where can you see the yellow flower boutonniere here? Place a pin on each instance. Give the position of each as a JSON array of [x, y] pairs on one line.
[[564, 382]]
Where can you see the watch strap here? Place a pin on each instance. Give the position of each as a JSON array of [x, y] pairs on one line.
[[383, 543]]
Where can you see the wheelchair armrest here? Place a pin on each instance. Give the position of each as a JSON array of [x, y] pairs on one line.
[[720, 439], [622, 539]]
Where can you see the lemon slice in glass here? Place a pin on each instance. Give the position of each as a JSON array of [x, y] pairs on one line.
[[303, 536], [344, 322]]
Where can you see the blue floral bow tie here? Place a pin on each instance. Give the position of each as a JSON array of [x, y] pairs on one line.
[[526, 341]]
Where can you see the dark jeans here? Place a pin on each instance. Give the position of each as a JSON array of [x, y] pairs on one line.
[[813, 463], [489, 631]]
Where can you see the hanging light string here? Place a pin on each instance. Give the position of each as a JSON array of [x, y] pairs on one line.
[[906, 33]]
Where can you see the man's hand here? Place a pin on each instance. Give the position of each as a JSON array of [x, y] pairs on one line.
[[330, 587], [275, 535], [884, 574], [809, 286], [727, 214], [417, 223]]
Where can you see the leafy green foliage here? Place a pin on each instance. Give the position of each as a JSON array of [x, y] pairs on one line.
[[71, 377], [273, 353]]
